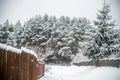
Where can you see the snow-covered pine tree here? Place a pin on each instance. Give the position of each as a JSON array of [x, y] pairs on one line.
[[11, 34], [103, 43], [4, 33], [17, 34], [35, 28]]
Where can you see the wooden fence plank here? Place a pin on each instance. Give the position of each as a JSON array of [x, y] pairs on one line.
[[107, 62], [23, 66]]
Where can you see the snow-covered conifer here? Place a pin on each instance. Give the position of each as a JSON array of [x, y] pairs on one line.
[[103, 43]]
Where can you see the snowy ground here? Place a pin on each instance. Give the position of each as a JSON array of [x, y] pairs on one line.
[[81, 73]]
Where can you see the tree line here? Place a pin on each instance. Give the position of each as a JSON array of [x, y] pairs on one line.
[[60, 39]]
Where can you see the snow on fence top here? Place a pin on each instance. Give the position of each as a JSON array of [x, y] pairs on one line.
[[28, 51], [9, 48]]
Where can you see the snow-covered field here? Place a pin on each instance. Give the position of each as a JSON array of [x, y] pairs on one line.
[[81, 73]]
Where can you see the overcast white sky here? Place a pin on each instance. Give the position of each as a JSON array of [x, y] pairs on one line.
[[24, 9]]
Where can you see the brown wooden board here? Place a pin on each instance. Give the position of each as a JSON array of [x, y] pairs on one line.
[[23, 66]]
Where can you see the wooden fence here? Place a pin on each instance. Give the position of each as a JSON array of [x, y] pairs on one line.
[[19, 66], [109, 62]]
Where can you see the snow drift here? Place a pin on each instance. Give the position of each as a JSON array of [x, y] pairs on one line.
[[81, 73]]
